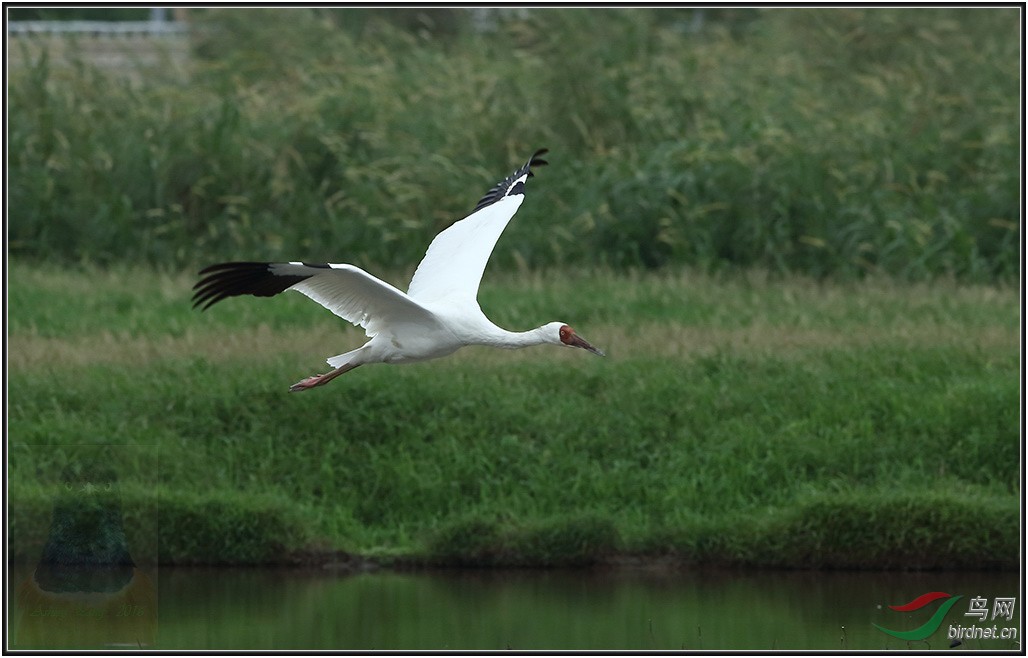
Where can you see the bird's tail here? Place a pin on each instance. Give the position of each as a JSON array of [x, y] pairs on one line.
[[344, 359]]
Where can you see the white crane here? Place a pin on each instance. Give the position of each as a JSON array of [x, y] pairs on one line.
[[438, 314]]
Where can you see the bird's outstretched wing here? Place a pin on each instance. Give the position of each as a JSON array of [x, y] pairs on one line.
[[348, 291], [453, 265]]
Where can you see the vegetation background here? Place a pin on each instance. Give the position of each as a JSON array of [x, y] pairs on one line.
[[821, 141], [794, 231]]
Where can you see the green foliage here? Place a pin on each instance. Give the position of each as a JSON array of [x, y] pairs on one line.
[[833, 142], [737, 419], [933, 528], [215, 527], [942, 526], [567, 541], [467, 541], [28, 524], [228, 528], [574, 541], [59, 483]]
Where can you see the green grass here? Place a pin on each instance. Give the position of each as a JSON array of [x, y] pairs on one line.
[[827, 142], [741, 419]]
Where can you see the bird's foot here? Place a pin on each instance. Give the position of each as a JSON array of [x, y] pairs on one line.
[[310, 382], [318, 380]]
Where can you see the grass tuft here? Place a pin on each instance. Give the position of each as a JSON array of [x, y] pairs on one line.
[[558, 542], [899, 530], [229, 528]]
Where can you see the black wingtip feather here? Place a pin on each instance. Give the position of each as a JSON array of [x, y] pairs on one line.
[[501, 189], [224, 280]]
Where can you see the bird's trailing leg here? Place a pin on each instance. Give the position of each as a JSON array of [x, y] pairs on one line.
[[320, 380]]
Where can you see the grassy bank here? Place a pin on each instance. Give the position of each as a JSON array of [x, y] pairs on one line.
[[741, 419], [839, 142]]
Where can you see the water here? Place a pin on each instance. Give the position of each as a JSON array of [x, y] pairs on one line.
[[700, 609]]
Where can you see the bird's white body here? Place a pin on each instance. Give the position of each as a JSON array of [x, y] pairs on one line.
[[437, 315], [453, 329]]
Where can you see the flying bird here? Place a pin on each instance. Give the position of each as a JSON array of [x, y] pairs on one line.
[[439, 313]]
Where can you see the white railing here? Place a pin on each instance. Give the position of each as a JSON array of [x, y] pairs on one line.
[[97, 28]]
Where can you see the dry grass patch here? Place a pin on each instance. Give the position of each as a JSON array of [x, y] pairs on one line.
[[312, 345]]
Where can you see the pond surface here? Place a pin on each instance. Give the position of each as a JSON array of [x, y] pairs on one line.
[[624, 608]]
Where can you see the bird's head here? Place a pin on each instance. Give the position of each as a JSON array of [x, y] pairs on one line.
[[562, 334]]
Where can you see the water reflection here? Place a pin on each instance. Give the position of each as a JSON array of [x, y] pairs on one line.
[[600, 609]]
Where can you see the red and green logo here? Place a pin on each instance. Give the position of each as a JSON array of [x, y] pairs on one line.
[[930, 626]]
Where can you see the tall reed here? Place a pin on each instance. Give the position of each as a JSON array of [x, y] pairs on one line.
[[831, 142]]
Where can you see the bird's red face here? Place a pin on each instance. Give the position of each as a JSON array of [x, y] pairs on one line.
[[571, 339]]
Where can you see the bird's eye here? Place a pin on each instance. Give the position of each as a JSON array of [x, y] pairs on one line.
[[565, 332]]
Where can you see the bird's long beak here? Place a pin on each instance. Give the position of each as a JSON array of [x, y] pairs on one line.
[[578, 341]]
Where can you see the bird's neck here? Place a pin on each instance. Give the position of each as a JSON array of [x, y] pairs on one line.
[[515, 339]]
